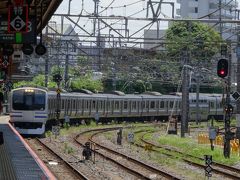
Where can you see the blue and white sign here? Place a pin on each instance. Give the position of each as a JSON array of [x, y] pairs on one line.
[[130, 137], [67, 119], [96, 117]]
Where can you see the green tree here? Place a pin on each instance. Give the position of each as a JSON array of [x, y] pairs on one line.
[[86, 82], [38, 80], [201, 40], [139, 86]]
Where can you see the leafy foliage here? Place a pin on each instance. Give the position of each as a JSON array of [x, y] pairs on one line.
[[38, 80], [86, 82], [202, 40]]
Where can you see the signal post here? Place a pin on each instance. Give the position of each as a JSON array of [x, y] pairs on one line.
[[223, 69], [56, 129], [238, 90]]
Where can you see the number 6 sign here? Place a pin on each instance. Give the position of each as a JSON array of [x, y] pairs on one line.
[[18, 19]]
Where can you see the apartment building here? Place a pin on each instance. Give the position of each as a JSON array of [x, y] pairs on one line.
[[211, 9]]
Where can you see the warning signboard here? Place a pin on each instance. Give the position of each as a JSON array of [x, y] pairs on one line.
[[17, 19]]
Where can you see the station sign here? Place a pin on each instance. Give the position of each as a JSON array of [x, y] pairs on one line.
[[28, 37]]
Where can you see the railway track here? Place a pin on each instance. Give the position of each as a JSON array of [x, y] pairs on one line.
[[228, 171], [61, 168], [136, 167]]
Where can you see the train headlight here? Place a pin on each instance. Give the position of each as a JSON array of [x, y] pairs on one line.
[[29, 90]]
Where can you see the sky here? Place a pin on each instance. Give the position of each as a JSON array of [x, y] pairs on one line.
[[114, 7]]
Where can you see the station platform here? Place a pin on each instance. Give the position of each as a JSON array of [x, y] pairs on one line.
[[17, 160]]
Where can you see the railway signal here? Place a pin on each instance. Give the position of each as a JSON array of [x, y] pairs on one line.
[[57, 78], [224, 49], [222, 68]]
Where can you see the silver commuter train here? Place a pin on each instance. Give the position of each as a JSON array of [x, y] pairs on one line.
[[31, 108]]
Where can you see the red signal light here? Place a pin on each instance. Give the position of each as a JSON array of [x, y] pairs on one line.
[[222, 72], [222, 68]]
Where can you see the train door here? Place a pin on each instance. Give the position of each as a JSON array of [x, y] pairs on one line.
[[129, 106], [92, 109], [170, 107], [152, 104], [161, 106], [76, 107], [125, 107], [157, 107], [147, 106], [117, 107], [134, 107]]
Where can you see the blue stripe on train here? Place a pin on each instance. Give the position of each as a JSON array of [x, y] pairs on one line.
[[40, 116]]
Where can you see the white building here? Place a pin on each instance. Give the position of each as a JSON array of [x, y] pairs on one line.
[[210, 9], [152, 39]]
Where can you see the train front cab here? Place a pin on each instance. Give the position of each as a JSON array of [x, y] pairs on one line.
[[28, 110]]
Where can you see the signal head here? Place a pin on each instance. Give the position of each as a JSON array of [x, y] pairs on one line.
[[222, 68]]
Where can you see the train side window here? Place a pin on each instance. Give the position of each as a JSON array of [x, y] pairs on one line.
[[116, 105], [161, 104], [62, 102], [157, 104], [211, 104], [87, 104], [93, 104], [171, 104], [74, 104], [125, 104], [49, 104], [134, 105], [147, 104], [220, 105], [143, 104], [82, 104], [108, 105], [100, 105], [166, 104], [68, 103], [152, 104]]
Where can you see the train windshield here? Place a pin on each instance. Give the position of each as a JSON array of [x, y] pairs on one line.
[[29, 100]]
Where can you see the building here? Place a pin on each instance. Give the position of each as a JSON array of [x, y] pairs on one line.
[[211, 9], [207, 9], [153, 39], [214, 9]]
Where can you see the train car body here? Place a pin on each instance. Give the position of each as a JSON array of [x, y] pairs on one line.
[[31, 108]]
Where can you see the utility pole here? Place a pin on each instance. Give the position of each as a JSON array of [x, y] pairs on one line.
[[185, 94], [220, 16], [238, 89], [185, 88], [228, 135], [46, 71], [197, 97], [96, 3], [66, 69], [46, 63]]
